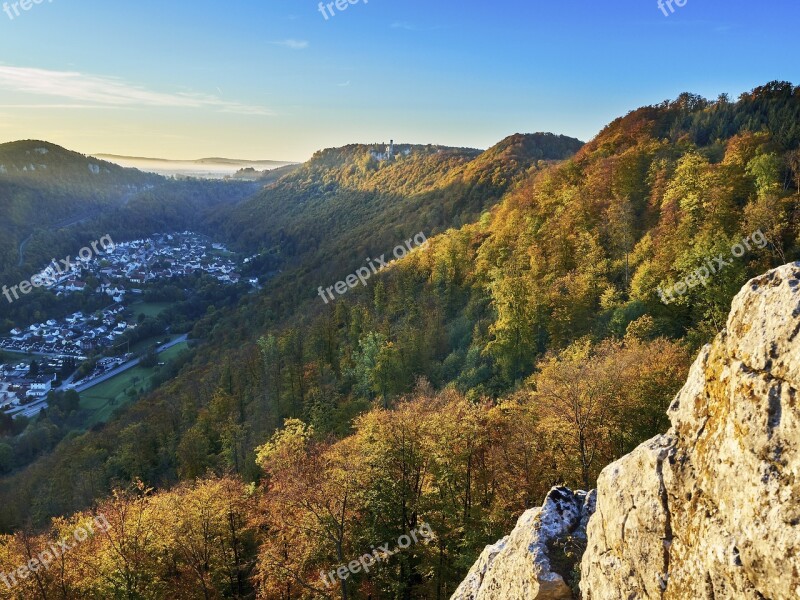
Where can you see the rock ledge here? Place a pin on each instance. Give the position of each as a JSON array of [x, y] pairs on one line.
[[519, 565], [711, 509]]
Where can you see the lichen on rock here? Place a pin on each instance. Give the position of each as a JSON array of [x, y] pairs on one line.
[[519, 565], [712, 508]]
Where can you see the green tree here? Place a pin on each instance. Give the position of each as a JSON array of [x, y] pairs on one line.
[[6, 458]]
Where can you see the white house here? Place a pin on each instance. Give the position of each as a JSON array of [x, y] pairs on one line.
[[40, 388], [75, 286]]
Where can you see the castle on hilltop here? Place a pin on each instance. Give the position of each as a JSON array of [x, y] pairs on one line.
[[388, 155]]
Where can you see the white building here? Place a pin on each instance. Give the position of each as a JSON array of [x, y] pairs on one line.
[[40, 388]]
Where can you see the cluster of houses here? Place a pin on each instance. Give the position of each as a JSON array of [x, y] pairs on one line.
[[18, 387], [122, 267], [165, 256], [75, 335], [120, 271]]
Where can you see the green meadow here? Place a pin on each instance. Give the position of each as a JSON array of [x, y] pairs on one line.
[[102, 400]]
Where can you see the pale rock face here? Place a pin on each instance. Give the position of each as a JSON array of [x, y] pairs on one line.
[[711, 510], [472, 584], [518, 566]]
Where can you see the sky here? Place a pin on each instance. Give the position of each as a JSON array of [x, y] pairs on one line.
[[278, 79]]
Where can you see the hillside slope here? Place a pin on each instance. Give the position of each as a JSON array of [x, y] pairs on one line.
[[48, 165], [344, 199], [43, 185]]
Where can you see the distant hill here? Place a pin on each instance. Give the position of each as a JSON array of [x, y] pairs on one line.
[[44, 186], [345, 198], [44, 163], [203, 168]]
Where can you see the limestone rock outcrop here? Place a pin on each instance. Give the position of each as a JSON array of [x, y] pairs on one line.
[[711, 509], [708, 511], [520, 566]]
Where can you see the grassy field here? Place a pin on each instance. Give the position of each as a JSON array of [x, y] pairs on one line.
[[150, 342], [149, 309], [102, 400], [145, 344]]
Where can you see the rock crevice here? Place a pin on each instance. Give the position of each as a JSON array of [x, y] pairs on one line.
[[521, 565]]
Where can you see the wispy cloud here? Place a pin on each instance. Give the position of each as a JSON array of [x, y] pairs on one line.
[[406, 26], [92, 91], [69, 106], [345, 84], [292, 44]]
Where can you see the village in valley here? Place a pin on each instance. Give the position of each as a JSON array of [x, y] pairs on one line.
[[120, 274]]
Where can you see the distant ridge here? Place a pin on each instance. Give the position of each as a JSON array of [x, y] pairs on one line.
[[211, 160], [206, 168]]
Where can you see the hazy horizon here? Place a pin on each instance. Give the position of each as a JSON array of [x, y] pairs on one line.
[[284, 80], [207, 168]]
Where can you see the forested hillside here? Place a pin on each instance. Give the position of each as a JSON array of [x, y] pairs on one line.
[[528, 348], [343, 204], [43, 186]]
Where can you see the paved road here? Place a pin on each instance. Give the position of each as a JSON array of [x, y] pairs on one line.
[[178, 340], [105, 377], [60, 225], [69, 222], [125, 366], [22, 250], [31, 410]]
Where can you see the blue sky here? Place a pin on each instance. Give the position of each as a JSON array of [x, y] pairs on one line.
[[273, 79]]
